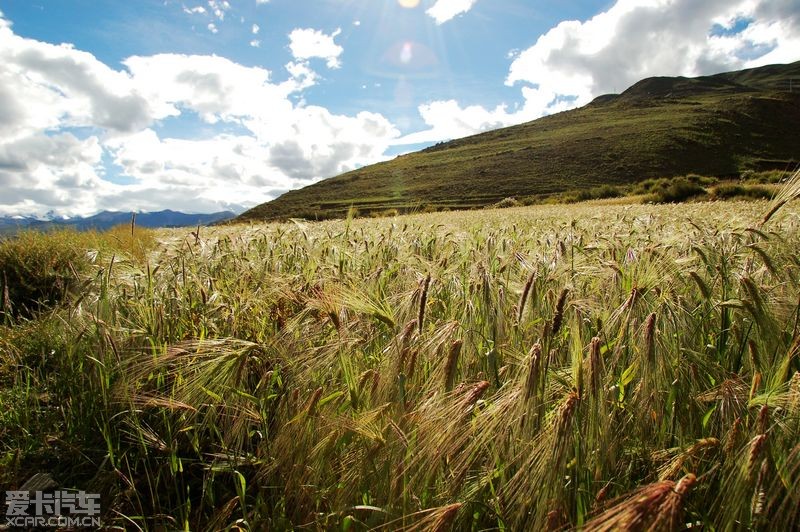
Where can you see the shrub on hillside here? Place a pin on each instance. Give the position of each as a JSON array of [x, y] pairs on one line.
[[741, 191], [763, 178], [38, 271], [386, 213], [679, 189], [531, 200], [702, 180], [506, 203], [757, 192], [727, 191], [601, 192], [649, 186]]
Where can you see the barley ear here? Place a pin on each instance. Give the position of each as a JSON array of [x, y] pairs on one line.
[[451, 364], [558, 317], [423, 301]]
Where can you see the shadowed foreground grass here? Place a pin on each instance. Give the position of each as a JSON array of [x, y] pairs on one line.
[[595, 367]]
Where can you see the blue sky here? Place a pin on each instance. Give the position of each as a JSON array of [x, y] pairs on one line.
[[203, 105]]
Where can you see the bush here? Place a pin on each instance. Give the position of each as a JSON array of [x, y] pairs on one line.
[[763, 178], [757, 192], [649, 185], [387, 213], [531, 200], [727, 191], [601, 192], [702, 180], [678, 190], [741, 191], [39, 270], [506, 203]]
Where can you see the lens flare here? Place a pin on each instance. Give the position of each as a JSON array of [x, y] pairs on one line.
[[407, 53], [409, 4]]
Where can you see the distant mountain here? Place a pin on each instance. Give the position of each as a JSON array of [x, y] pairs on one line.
[[660, 127], [107, 219]]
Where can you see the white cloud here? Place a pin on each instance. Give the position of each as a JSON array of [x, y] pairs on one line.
[[448, 120], [444, 10], [310, 43], [259, 2], [198, 10], [56, 171], [255, 43], [216, 88], [219, 7], [576, 61], [317, 142], [65, 115], [635, 39], [212, 28], [302, 75], [44, 86], [255, 29]]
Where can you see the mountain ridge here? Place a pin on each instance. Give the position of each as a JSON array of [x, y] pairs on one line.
[[718, 125], [106, 219]]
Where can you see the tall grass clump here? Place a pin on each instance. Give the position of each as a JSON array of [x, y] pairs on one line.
[[39, 271], [677, 190], [729, 191]]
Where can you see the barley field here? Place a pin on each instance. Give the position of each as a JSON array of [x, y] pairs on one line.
[[592, 367]]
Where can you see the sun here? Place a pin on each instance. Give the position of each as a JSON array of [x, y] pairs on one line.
[[410, 4]]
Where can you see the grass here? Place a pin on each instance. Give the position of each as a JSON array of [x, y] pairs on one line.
[[40, 270], [724, 126], [611, 367]]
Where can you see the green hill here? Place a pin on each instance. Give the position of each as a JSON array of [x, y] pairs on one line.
[[715, 125]]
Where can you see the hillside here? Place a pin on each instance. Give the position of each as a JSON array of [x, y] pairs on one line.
[[715, 125]]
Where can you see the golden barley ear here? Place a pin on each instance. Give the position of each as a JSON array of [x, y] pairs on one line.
[[451, 364], [558, 316], [423, 301]]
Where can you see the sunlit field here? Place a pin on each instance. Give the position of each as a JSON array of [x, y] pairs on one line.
[[589, 366]]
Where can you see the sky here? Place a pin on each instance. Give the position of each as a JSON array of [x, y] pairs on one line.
[[209, 105]]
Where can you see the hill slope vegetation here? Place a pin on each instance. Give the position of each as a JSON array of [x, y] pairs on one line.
[[716, 125]]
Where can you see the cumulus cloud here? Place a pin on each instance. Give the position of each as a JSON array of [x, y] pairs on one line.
[[72, 125], [45, 86], [343, 144], [635, 39], [218, 8], [215, 88], [449, 120], [444, 10], [576, 61], [310, 43], [303, 76], [55, 171]]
